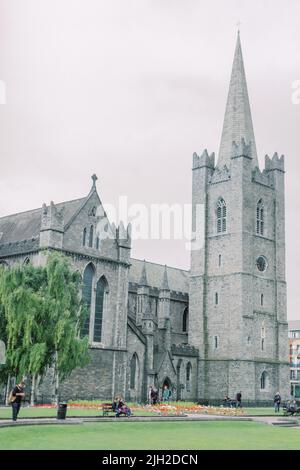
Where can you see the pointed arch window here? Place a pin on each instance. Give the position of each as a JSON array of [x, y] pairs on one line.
[[260, 218], [188, 377], [263, 337], [185, 320], [133, 371], [264, 381], [221, 216], [91, 237], [88, 277], [100, 306], [84, 237], [97, 242]]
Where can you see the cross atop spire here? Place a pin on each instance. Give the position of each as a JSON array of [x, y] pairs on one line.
[[238, 120], [94, 178]]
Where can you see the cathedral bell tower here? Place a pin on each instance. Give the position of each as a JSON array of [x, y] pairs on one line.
[[237, 284]]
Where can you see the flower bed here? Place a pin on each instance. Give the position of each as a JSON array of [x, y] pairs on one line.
[[183, 409], [163, 409]]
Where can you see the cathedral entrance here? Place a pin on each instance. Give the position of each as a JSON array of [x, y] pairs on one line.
[[166, 390]]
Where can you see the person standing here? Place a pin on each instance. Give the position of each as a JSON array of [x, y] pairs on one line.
[[277, 402], [166, 396], [238, 400], [17, 395], [154, 395], [150, 395]]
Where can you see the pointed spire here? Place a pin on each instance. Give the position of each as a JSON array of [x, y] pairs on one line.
[[143, 279], [238, 120], [165, 283]]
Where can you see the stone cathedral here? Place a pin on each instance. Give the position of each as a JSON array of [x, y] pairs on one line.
[[212, 331]]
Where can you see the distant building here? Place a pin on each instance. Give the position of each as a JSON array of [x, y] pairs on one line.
[[294, 357]]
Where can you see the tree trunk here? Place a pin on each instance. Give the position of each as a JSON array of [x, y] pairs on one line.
[[56, 380], [7, 390], [32, 394], [37, 384]]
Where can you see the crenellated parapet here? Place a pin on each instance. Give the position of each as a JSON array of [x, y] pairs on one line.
[[184, 350], [220, 175], [52, 218], [275, 163], [52, 226], [241, 149], [123, 235], [205, 160], [262, 177]]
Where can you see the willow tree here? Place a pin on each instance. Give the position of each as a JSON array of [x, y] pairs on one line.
[[42, 316], [23, 321], [65, 316]]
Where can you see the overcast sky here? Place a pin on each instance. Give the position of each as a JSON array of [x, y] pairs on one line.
[[129, 89]]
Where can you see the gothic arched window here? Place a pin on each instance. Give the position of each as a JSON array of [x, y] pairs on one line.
[[263, 336], [264, 381], [185, 320], [260, 216], [91, 236], [88, 277], [101, 292], [84, 237], [133, 371], [188, 377], [97, 242], [221, 216]]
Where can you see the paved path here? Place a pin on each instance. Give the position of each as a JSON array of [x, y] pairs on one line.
[[275, 420], [132, 419]]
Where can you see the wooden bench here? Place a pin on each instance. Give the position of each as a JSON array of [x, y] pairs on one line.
[[107, 408], [291, 409]]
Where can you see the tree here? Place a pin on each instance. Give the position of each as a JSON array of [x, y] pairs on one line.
[[65, 316], [22, 322], [41, 315]]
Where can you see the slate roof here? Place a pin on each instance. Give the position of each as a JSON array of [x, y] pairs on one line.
[[26, 225], [178, 279]]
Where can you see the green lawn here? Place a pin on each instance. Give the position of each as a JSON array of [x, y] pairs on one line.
[[261, 411], [133, 436], [29, 412]]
